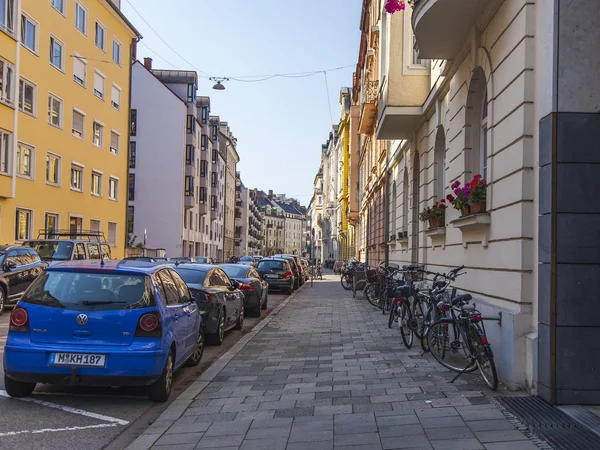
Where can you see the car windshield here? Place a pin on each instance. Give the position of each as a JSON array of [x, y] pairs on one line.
[[235, 272], [90, 291], [180, 259], [201, 259], [246, 258], [192, 276], [269, 265], [53, 250]]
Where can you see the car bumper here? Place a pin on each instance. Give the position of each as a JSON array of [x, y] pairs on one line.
[[280, 284], [251, 300], [138, 364], [210, 317]]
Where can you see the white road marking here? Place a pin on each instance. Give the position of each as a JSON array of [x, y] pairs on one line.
[[54, 430], [68, 409], [79, 394]]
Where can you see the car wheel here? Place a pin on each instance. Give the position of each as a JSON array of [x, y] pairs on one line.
[[2, 300], [240, 322], [18, 389], [160, 390], [217, 337], [264, 306], [290, 290], [196, 355]]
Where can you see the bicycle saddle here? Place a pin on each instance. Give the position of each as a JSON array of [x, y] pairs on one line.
[[464, 298]]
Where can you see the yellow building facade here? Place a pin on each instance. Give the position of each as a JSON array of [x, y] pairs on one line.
[[64, 118]]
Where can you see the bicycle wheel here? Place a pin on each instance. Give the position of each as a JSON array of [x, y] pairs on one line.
[[385, 301], [359, 289], [346, 281], [428, 320], [448, 347], [485, 362], [418, 317], [403, 320], [394, 310], [372, 294]]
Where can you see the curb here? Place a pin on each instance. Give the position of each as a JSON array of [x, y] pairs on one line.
[[176, 409]]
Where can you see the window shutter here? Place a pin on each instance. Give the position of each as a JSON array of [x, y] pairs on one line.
[[99, 83], [116, 96], [114, 141], [78, 122], [79, 68]]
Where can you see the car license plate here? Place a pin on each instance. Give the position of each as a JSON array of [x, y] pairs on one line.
[[272, 276], [77, 359]]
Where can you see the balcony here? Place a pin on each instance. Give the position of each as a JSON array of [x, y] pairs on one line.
[[368, 112], [442, 27], [189, 202]]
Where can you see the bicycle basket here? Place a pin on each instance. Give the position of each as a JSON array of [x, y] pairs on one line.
[[372, 275], [413, 276]]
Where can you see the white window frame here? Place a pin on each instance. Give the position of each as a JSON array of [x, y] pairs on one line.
[[95, 123], [79, 168], [62, 53], [59, 163], [87, 21], [409, 67], [99, 175], [114, 196], [62, 12], [7, 93], [82, 137], [21, 99], [115, 87], [483, 141], [60, 110], [78, 57], [29, 224], [36, 39], [6, 143], [118, 142], [55, 215], [103, 77], [4, 13], [31, 149], [119, 60], [103, 28]]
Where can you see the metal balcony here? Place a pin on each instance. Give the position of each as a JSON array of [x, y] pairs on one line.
[[368, 112]]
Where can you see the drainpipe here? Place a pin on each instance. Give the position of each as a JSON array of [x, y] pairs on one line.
[[17, 76]]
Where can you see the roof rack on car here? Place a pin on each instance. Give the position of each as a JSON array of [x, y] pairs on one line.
[[89, 235]]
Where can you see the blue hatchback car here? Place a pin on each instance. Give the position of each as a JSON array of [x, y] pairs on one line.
[[103, 323]]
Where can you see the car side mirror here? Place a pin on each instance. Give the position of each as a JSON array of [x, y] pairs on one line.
[[234, 285], [201, 297]]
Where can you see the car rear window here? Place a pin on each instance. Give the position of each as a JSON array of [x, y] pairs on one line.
[[269, 265], [52, 250], [235, 272], [246, 258], [90, 291], [191, 276]]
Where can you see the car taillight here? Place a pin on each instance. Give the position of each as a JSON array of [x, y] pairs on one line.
[[287, 274], [149, 325], [245, 287], [19, 320]]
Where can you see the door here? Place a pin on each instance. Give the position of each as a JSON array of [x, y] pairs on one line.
[[15, 274], [28, 266], [258, 281], [190, 312], [219, 278], [175, 314]]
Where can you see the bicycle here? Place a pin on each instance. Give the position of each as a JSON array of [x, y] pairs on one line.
[[459, 342]]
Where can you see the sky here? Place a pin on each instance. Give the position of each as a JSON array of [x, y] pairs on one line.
[[280, 124]]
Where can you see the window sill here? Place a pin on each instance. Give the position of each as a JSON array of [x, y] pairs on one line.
[[58, 127], [25, 177], [48, 183], [33, 52], [96, 195], [9, 33], [11, 105], [77, 190], [476, 224], [77, 137], [437, 235], [57, 68], [32, 115]]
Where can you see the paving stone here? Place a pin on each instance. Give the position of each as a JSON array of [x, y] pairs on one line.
[[181, 428], [271, 423], [332, 410], [174, 447], [357, 439], [453, 444], [481, 414], [184, 438], [294, 412], [449, 433], [228, 428], [440, 422], [514, 445], [264, 444], [377, 407], [401, 430], [269, 433], [334, 394], [309, 436], [255, 415], [490, 425], [351, 401], [320, 445], [500, 436], [419, 441]]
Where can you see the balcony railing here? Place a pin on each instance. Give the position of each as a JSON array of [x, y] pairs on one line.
[[370, 91]]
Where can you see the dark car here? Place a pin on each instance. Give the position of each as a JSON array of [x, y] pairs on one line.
[[246, 260], [19, 267], [254, 287], [220, 301], [277, 272], [296, 268]]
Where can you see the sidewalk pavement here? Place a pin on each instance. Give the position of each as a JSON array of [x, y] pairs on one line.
[[324, 372]]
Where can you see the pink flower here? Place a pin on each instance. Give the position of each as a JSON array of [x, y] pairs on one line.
[[391, 6]]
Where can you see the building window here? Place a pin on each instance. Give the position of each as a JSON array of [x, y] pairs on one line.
[[100, 36], [189, 154], [25, 158], [132, 149], [94, 226], [440, 164], [50, 224], [114, 143], [131, 187], [96, 184], [113, 185], [79, 70], [78, 124], [56, 53], [133, 122], [130, 218], [483, 150], [112, 234], [213, 202], [117, 50], [5, 140], [54, 111], [115, 99], [52, 169], [81, 18], [99, 82], [75, 226], [204, 142], [7, 72], [203, 168], [215, 156], [7, 15], [205, 114], [189, 186], [77, 178], [191, 92], [191, 124], [29, 34], [98, 136], [23, 225], [202, 195], [27, 95], [215, 132], [58, 5], [213, 179]]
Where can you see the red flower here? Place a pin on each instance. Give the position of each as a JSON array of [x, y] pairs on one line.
[[477, 177], [443, 200], [429, 211], [473, 184], [450, 198]]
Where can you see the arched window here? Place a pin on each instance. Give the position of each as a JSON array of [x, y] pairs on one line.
[[476, 151], [405, 201], [440, 164], [394, 204], [483, 137]]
